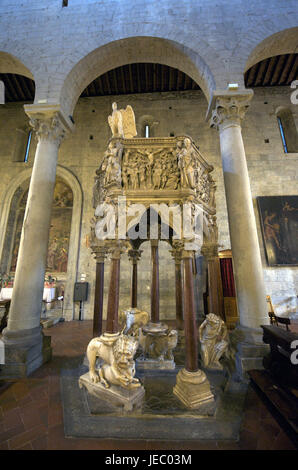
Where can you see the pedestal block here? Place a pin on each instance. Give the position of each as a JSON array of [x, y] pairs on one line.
[[21, 359], [114, 395]]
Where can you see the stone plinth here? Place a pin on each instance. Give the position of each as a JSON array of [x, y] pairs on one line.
[[154, 364], [119, 397], [193, 388]]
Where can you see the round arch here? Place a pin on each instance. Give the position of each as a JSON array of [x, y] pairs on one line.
[[11, 64], [133, 50], [71, 180], [282, 42]]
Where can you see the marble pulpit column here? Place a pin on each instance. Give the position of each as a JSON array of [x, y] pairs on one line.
[[192, 386], [23, 329], [112, 326], [216, 305], [154, 282], [227, 113], [134, 256], [177, 255], [100, 255]]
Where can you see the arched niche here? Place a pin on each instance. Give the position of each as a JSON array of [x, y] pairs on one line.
[[67, 198], [288, 129]]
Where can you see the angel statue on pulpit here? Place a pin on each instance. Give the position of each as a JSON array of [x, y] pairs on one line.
[[122, 122]]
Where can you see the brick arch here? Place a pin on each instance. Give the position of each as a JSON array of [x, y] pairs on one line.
[[281, 42], [132, 50]]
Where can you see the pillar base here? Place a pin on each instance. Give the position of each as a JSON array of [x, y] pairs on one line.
[[193, 388], [250, 351], [25, 351]]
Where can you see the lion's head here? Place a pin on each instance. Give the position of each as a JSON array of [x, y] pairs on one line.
[[124, 350]]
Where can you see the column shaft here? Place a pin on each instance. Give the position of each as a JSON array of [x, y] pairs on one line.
[[98, 299], [134, 285], [248, 270], [215, 287], [179, 295], [30, 271], [155, 284], [190, 326], [113, 297], [251, 296]]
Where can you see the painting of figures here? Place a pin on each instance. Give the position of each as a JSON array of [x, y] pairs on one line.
[[279, 222]]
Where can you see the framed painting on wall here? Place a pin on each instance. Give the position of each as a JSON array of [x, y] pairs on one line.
[[279, 222]]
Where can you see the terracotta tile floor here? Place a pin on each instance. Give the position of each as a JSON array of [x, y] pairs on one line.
[[31, 411]]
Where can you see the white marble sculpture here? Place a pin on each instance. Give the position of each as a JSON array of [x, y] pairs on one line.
[[122, 122], [213, 335], [117, 353]]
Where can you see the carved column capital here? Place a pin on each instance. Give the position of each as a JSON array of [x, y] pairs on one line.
[[48, 122], [116, 248], [229, 110], [100, 253], [176, 251], [134, 255], [210, 250]]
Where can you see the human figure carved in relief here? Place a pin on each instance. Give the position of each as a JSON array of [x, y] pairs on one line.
[[142, 175], [173, 177], [111, 164], [122, 122], [156, 177], [213, 335], [185, 164]]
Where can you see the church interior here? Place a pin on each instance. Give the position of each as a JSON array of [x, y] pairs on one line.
[[148, 225]]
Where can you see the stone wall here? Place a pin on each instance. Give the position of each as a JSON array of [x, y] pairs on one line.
[[212, 41], [271, 173]]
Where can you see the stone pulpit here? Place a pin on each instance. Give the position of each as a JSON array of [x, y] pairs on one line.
[[152, 189]]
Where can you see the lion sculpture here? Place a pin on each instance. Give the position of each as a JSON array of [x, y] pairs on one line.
[[118, 366]]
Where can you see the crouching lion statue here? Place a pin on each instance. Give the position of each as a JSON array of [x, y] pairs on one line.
[[118, 366]]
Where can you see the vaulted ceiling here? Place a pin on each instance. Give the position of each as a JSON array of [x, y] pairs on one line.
[[148, 78]]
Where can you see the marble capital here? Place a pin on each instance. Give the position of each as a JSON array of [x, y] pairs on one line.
[[116, 248], [48, 122], [176, 251], [134, 255], [229, 109], [210, 250], [100, 253]]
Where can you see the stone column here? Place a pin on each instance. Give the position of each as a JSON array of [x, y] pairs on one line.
[[228, 111], [216, 305], [100, 255], [134, 256], [23, 330], [177, 255], [154, 282], [192, 386], [113, 295]]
